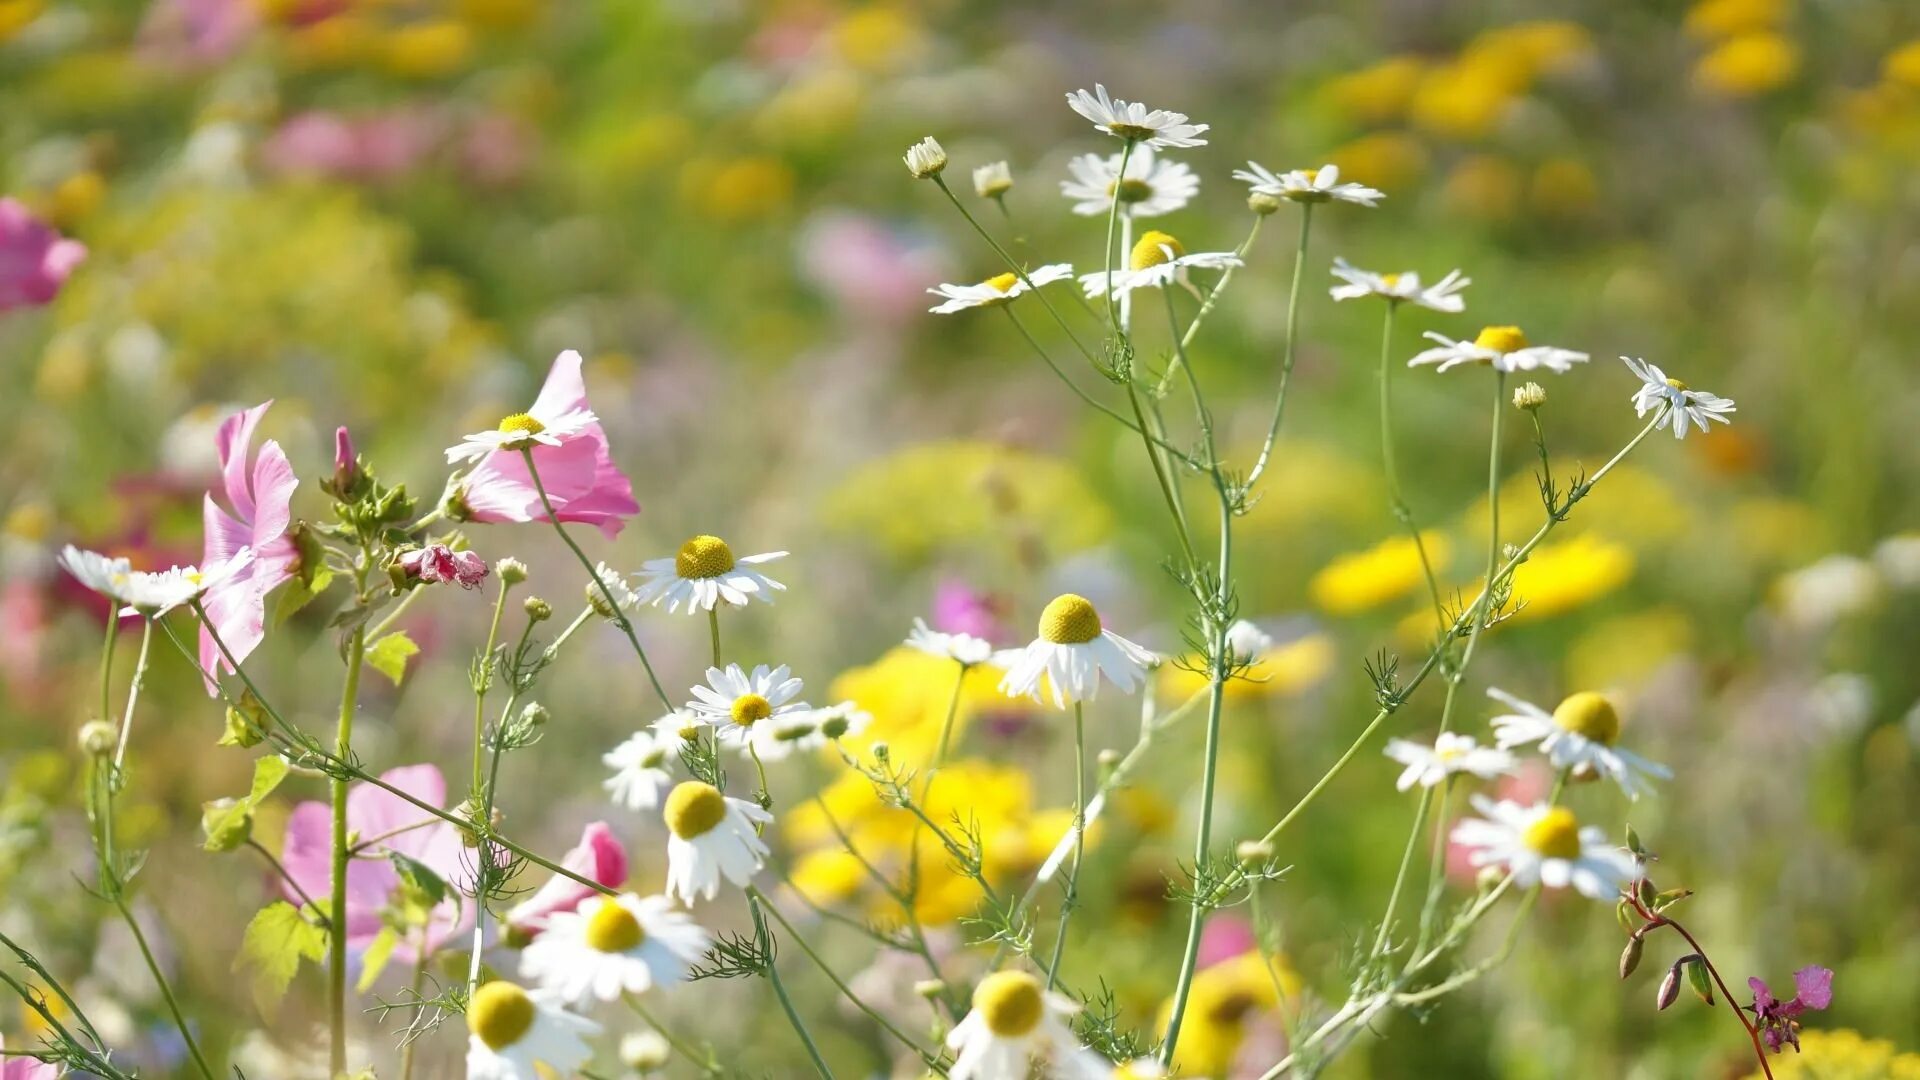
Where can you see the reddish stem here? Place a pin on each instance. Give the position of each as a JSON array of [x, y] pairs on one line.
[[1654, 922]]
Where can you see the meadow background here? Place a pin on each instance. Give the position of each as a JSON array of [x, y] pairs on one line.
[[391, 214]]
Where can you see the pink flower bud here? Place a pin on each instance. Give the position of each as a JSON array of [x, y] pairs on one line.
[[439, 563], [346, 462]]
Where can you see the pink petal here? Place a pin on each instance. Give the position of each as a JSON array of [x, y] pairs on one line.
[[1813, 986], [598, 856], [565, 390]]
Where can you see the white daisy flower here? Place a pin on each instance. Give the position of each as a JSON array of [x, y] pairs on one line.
[[612, 946], [1442, 295], [514, 1031], [1134, 121], [642, 770], [1156, 260], [996, 290], [1677, 402], [616, 583], [703, 573], [149, 593], [1505, 347], [1578, 735], [753, 710], [1307, 185], [926, 158], [544, 423], [677, 727], [1247, 641], [992, 180], [1450, 753], [1072, 651], [826, 725], [1013, 1021], [960, 648], [1152, 186], [1544, 844], [710, 836]]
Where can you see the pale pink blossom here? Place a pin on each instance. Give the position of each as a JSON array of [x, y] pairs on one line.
[[599, 857], [34, 259], [25, 1068], [579, 475], [259, 498], [437, 563], [383, 822]]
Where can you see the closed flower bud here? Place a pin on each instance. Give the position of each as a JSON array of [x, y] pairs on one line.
[[1630, 956], [834, 726], [929, 988], [1669, 989], [1108, 759], [97, 738], [926, 158], [645, 1051], [535, 714], [537, 609], [1262, 203], [881, 752], [1489, 878], [511, 570], [1529, 397], [1253, 852], [992, 181]]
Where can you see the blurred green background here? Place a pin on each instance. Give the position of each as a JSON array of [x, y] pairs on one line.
[[391, 214]]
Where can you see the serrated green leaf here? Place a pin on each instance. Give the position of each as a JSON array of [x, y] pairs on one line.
[[267, 774], [374, 960], [276, 940], [419, 877], [299, 593], [389, 655], [228, 823]]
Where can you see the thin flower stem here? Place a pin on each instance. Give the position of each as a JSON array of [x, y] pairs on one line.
[[702, 1061], [1072, 897], [166, 990], [779, 988], [1113, 214], [281, 871], [337, 902], [1206, 306], [1013, 265], [946, 725], [1390, 464], [133, 698], [483, 681], [1293, 335], [619, 616], [1400, 877], [399, 609], [713, 624], [1120, 418], [106, 659], [407, 1047], [1753, 1033], [1160, 476]]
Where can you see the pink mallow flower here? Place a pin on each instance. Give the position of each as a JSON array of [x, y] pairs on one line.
[[575, 467], [438, 563], [259, 501], [599, 856], [16, 1067], [383, 822], [1812, 990], [34, 259]]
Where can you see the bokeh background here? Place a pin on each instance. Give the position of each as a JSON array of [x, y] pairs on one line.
[[392, 214]]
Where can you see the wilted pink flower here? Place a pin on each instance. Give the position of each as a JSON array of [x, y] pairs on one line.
[[438, 562], [25, 1068], [34, 259], [384, 822], [260, 499], [598, 857], [579, 475], [1813, 990]]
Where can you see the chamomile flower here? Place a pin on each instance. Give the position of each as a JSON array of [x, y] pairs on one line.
[[996, 290], [1072, 652], [926, 158], [703, 573], [612, 946], [1135, 122], [1152, 185], [149, 593], [1013, 1021], [617, 587], [992, 180], [710, 836], [752, 710], [832, 723], [1544, 844], [1157, 259], [1442, 295], [960, 648], [1450, 753], [1505, 347], [1677, 402], [515, 1031], [543, 424], [1307, 185], [1577, 735], [676, 728], [641, 770]]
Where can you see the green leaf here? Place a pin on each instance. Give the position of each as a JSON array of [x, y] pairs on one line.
[[1702, 984], [300, 592], [420, 877], [275, 942], [228, 823], [389, 655], [374, 960]]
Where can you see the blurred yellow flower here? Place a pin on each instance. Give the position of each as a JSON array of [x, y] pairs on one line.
[[429, 49], [1463, 102], [880, 38], [1384, 159], [811, 108], [1748, 65], [1378, 93], [931, 495], [1282, 671], [737, 189], [1840, 1054], [1364, 580], [500, 14], [1623, 651], [1485, 187], [336, 42], [1559, 577], [908, 692], [1902, 66], [1523, 52], [829, 875], [75, 198], [1564, 188], [1778, 530], [1731, 18], [17, 15], [1223, 999]]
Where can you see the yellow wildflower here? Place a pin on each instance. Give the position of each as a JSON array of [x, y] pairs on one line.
[[1627, 649], [880, 38], [1564, 188], [429, 49], [1840, 1054], [1378, 93], [829, 875], [1224, 999], [1463, 102], [17, 15], [1282, 671], [1367, 579], [1559, 577], [1485, 187], [1384, 159], [1748, 65], [1731, 18]]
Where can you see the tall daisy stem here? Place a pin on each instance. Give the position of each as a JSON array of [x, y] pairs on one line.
[[1293, 336], [337, 895], [483, 681], [765, 938], [1072, 898], [1390, 464]]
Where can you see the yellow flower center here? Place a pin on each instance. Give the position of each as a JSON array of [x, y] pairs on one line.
[[1501, 339], [499, 1013], [1153, 248], [703, 557], [612, 929], [1002, 282], [1069, 620], [1391, 281], [1587, 713], [1556, 835], [1130, 190], [1010, 1002], [694, 808], [1677, 385], [1131, 131], [1448, 753], [523, 423], [748, 709]]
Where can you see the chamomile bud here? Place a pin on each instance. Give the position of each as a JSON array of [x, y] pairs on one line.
[[992, 181], [97, 738], [535, 714], [1529, 397], [537, 609], [1262, 203], [511, 570], [1253, 852], [881, 752], [926, 159], [929, 988], [645, 1051]]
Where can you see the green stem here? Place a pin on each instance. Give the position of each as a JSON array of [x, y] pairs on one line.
[[483, 681], [1207, 305], [1018, 270], [1084, 396], [1389, 463], [1293, 334], [1113, 215], [779, 988], [713, 624], [703, 1062], [133, 698], [166, 990], [337, 904], [1072, 897]]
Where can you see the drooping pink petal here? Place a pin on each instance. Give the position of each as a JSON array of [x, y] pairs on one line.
[[599, 856], [259, 497]]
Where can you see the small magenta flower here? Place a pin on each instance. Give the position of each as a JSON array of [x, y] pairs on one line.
[[346, 462], [34, 259], [438, 563], [1813, 990]]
